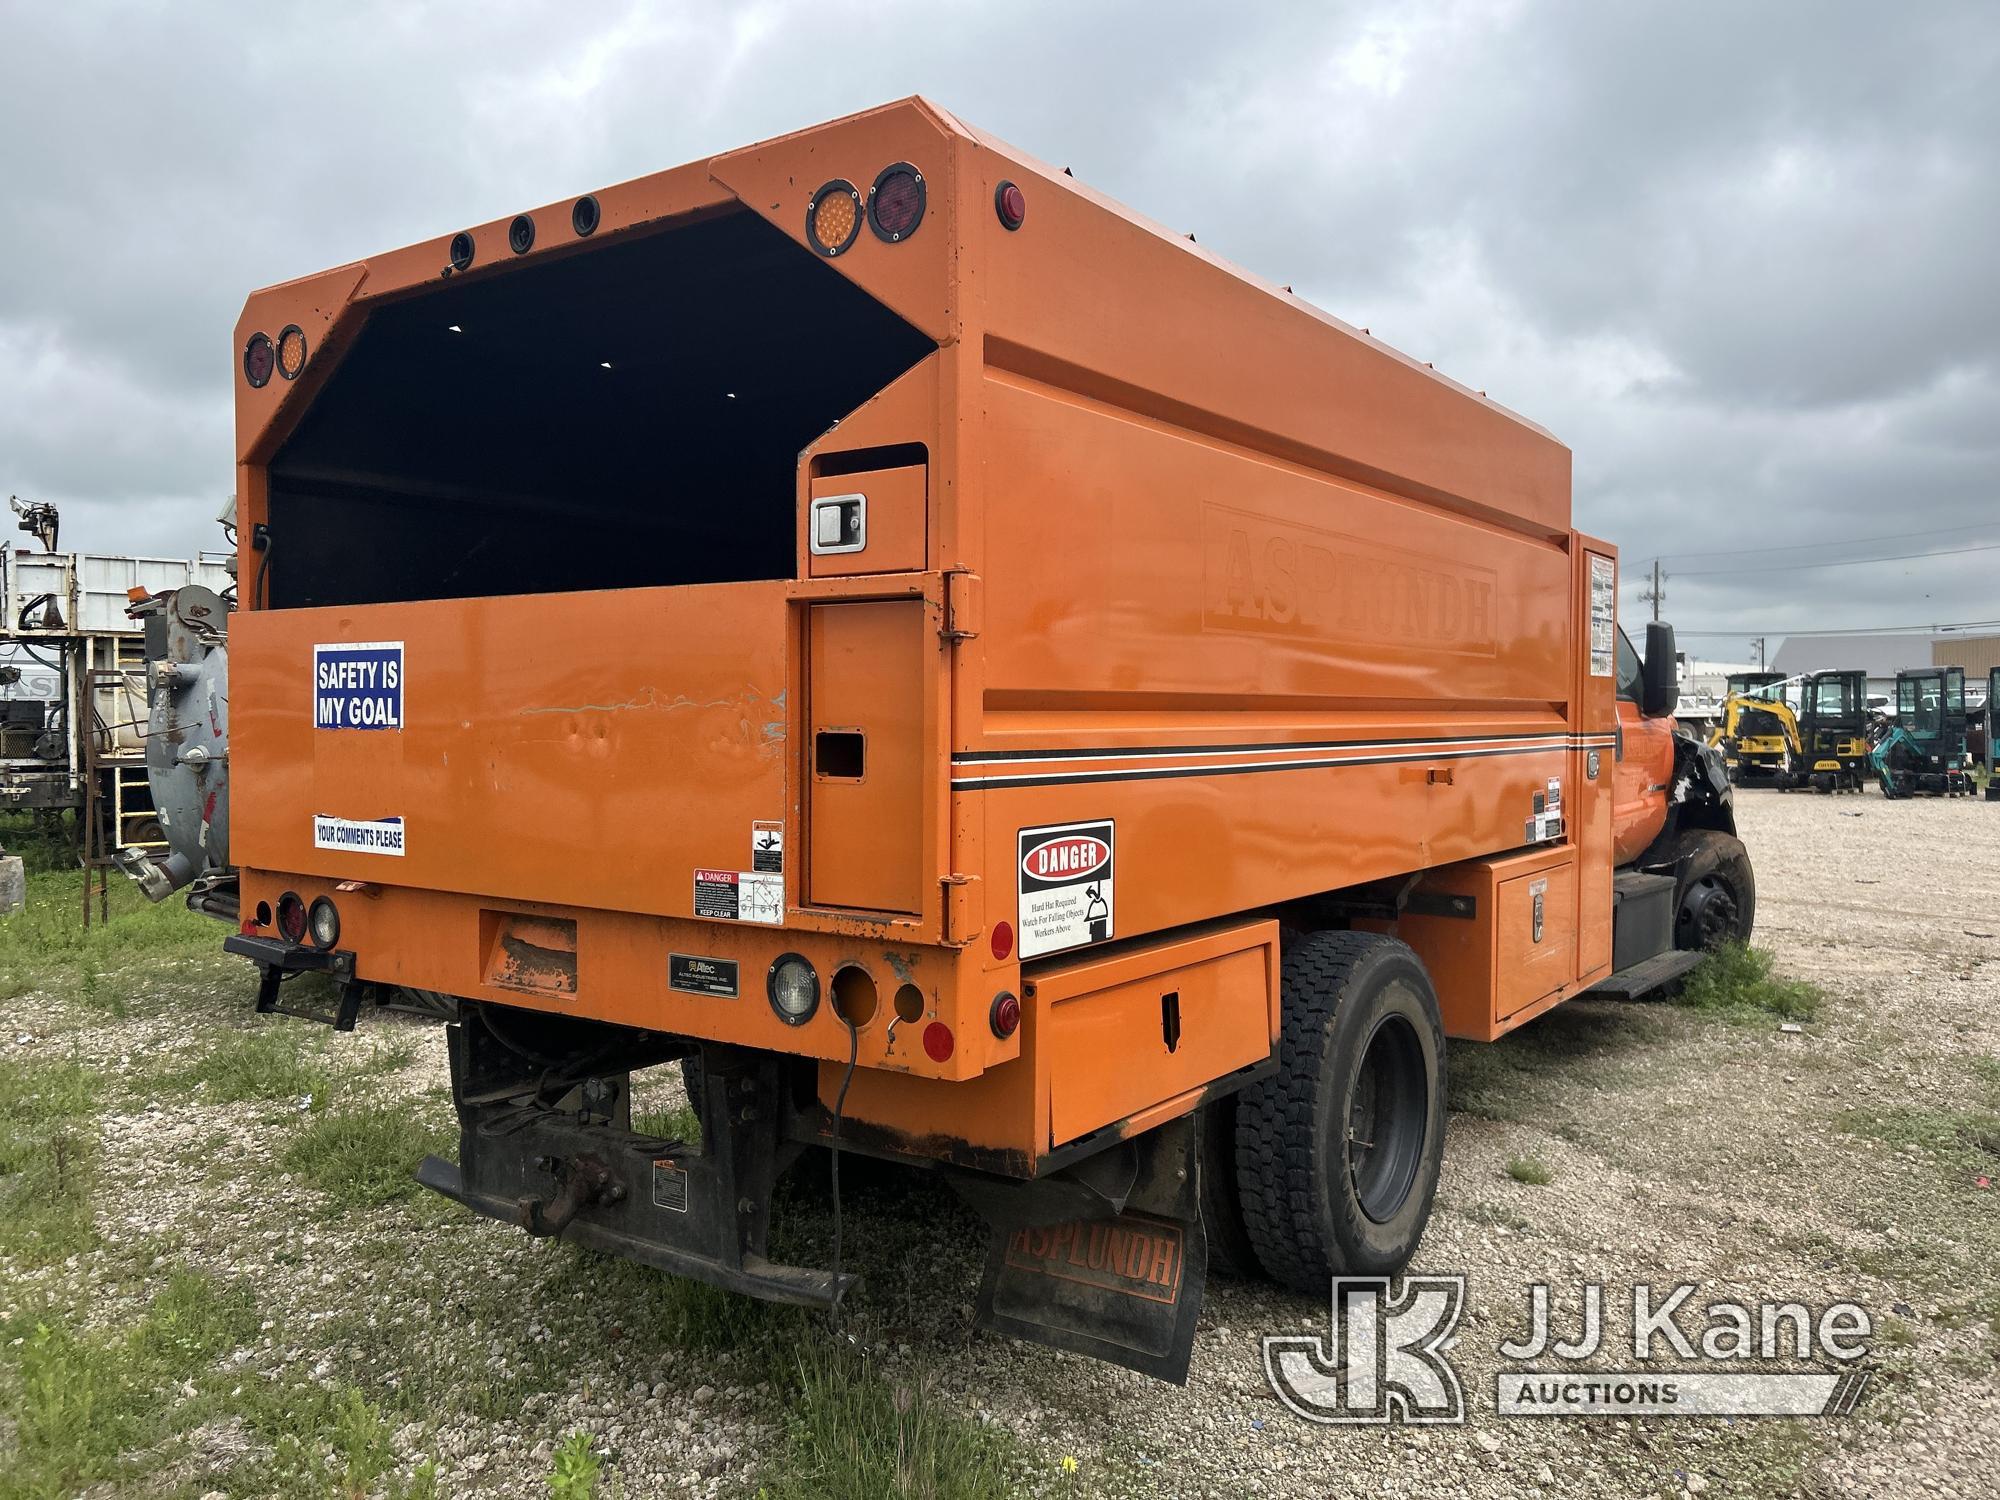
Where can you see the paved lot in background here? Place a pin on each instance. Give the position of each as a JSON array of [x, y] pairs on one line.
[[319, 1329]]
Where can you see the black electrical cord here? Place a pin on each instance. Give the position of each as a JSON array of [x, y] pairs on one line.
[[839, 1107]]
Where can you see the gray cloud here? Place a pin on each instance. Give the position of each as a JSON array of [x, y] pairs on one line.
[[1738, 257]]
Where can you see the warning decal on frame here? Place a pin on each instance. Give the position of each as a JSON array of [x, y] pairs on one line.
[[1066, 898], [1603, 616], [358, 685], [767, 848], [739, 895]]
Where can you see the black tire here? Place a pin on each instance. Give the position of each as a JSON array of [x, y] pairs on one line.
[[1361, 1049], [1716, 899], [1229, 1247]]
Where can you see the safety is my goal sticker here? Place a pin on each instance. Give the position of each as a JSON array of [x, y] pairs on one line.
[[1066, 899]]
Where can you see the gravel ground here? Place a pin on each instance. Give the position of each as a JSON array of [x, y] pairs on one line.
[[1844, 1160]]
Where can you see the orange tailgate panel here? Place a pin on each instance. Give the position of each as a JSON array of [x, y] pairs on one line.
[[587, 749]]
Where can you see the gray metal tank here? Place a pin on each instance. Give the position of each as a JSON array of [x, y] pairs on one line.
[[187, 745]]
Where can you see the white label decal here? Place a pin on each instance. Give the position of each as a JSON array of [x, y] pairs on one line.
[[358, 835], [1065, 887], [1603, 616]]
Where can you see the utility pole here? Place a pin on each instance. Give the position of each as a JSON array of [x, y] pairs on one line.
[[1760, 653], [1657, 593]]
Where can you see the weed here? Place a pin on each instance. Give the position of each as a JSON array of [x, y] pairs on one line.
[[677, 1124], [851, 1434], [48, 1158], [194, 1322], [1968, 1139], [276, 1060], [361, 1157], [577, 1467], [1531, 1170], [1737, 983]]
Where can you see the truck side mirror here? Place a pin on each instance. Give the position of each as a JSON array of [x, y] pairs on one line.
[[1660, 689]]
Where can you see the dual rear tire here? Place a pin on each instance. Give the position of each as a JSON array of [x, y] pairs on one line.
[[1329, 1167]]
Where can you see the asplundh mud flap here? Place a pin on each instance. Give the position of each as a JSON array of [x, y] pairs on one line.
[[1107, 1259]]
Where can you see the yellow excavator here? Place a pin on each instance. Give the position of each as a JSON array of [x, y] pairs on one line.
[[1795, 732]]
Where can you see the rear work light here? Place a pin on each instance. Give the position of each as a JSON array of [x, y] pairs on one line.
[[521, 234], [323, 922], [834, 217], [584, 217], [462, 250], [896, 203], [259, 359], [793, 988], [292, 917], [291, 351]]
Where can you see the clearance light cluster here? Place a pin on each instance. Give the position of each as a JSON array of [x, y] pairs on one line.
[[318, 924], [893, 209]]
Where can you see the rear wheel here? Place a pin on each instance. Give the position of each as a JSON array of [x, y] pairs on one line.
[[1338, 1153]]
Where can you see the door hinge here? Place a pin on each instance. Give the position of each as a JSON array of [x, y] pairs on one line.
[[961, 607], [961, 921]]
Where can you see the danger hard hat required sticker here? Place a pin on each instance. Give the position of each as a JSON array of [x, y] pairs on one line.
[[1065, 888]]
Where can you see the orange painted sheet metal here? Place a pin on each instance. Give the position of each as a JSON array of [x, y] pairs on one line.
[[602, 750], [1123, 1033]]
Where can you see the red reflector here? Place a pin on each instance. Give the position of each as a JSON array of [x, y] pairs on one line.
[[248, 927], [259, 359], [938, 1041], [1003, 939], [1011, 204], [1006, 1015]]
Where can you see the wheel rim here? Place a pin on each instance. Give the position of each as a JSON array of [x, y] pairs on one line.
[[1708, 915], [1386, 1119]]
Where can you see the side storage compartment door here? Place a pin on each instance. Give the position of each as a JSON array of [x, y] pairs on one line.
[[864, 761]]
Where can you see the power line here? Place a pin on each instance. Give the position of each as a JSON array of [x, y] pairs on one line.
[[1855, 541], [1845, 562]]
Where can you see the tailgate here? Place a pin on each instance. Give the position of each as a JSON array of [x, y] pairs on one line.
[[584, 749]]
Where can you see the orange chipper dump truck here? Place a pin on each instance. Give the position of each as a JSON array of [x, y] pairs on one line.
[[975, 679]]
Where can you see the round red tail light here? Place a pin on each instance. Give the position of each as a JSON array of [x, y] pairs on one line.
[[1011, 204], [259, 359], [1006, 1015], [291, 917], [896, 204], [1003, 939], [938, 1041]]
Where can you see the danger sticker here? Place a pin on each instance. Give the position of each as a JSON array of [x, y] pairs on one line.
[[739, 896], [1066, 895], [358, 835], [767, 848], [358, 686]]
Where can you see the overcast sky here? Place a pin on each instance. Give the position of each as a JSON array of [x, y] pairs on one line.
[[1740, 256]]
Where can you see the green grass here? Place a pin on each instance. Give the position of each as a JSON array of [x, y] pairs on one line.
[[81, 1402], [362, 1156], [46, 947], [677, 1124], [1530, 1170], [1737, 983], [48, 1158], [1965, 1139], [277, 1059], [854, 1434]]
